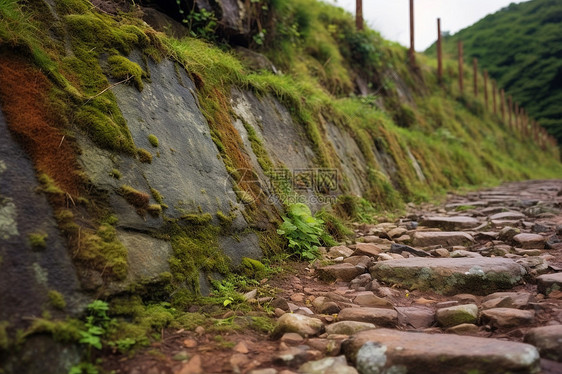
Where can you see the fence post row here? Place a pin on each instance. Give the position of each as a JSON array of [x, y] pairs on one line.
[[439, 53], [359, 14], [412, 51]]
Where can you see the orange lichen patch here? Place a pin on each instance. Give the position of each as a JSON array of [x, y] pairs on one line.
[[232, 143], [23, 95]]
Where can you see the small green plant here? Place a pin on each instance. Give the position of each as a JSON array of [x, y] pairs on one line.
[[96, 324], [153, 140], [56, 299], [304, 232], [37, 241]]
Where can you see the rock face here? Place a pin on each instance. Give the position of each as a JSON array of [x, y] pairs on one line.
[[451, 275], [444, 238], [390, 351]]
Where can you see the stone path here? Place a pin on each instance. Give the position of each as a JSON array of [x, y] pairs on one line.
[[473, 286]]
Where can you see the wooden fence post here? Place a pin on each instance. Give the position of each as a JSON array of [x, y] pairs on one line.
[[359, 14], [439, 53], [475, 72], [460, 68], [509, 108], [516, 117], [486, 89], [494, 89], [502, 104]]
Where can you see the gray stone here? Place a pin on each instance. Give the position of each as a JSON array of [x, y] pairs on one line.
[[549, 282], [507, 233], [444, 238], [328, 365], [548, 340], [390, 351], [346, 272], [377, 316], [340, 251], [450, 223], [507, 317], [147, 256], [417, 317], [399, 248], [457, 315], [303, 325], [529, 241], [348, 327], [511, 215], [463, 253], [396, 232], [451, 275]]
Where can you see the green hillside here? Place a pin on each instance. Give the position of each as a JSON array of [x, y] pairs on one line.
[[521, 47]]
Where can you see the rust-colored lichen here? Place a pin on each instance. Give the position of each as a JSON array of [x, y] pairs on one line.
[[23, 95]]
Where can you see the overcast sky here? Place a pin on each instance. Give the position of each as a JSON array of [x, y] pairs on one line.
[[391, 17]]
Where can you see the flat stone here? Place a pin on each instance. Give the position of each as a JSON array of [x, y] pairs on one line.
[[507, 233], [444, 238], [486, 235], [507, 317], [451, 275], [463, 329], [340, 251], [344, 271], [511, 215], [264, 371], [331, 347], [457, 315], [548, 340], [290, 338], [348, 327], [417, 317], [464, 253], [369, 299], [391, 351], [396, 232], [377, 316], [450, 223], [517, 300], [547, 283], [529, 241], [399, 248], [465, 204], [367, 249], [303, 325], [328, 365]]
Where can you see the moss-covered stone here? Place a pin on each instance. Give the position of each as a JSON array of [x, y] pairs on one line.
[[122, 68], [57, 300]]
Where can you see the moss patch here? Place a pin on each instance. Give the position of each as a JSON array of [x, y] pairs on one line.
[[144, 156], [135, 197], [37, 241], [122, 68], [56, 299], [153, 140]]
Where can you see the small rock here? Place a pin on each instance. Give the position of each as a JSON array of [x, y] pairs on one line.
[[369, 299], [280, 303], [356, 260], [377, 316], [457, 315], [340, 251], [279, 312], [303, 325], [250, 295], [399, 248], [181, 356], [511, 215], [463, 253], [367, 249], [507, 233], [190, 343], [442, 252], [237, 360], [549, 282], [344, 271], [331, 347], [297, 297], [396, 232], [193, 366], [241, 347], [417, 317], [348, 327], [263, 371], [444, 238], [463, 329], [507, 317], [518, 300], [291, 338], [548, 340], [328, 365], [529, 241], [199, 330]]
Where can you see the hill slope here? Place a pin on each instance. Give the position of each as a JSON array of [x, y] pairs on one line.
[[521, 47]]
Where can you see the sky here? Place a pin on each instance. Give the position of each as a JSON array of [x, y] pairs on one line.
[[391, 17]]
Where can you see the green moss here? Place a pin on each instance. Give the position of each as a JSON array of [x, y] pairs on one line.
[[37, 241], [72, 6], [226, 220], [153, 140], [258, 148], [103, 130], [262, 324], [56, 299], [48, 185], [252, 268], [104, 251], [63, 331], [144, 156], [122, 68], [4, 337], [154, 210], [334, 226], [115, 174], [135, 197], [197, 219], [189, 321]]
